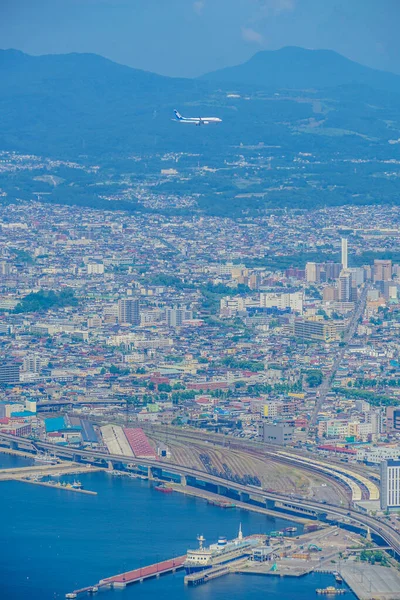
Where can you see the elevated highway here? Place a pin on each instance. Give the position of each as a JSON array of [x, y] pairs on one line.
[[384, 530]]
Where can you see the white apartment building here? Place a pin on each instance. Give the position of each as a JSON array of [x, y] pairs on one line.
[[283, 300], [390, 485], [378, 454], [95, 268], [32, 363]]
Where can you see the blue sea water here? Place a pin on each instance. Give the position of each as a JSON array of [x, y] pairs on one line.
[[54, 541], [9, 461]]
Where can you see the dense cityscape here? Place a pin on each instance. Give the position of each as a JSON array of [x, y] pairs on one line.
[[167, 320], [116, 327], [199, 300]]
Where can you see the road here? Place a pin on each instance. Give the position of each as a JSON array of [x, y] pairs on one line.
[[326, 385]]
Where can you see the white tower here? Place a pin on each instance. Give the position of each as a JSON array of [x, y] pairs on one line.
[[344, 254], [201, 541]]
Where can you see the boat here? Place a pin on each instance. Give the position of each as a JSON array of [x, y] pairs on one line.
[[338, 578], [77, 485], [163, 489], [330, 591], [94, 590], [221, 553], [71, 595], [290, 529], [45, 459], [221, 503]]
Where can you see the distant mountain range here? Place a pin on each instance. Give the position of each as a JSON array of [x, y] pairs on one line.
[[300, 128], [84, 104], [298, 68]]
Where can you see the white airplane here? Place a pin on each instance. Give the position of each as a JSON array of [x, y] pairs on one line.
[[196, 120]]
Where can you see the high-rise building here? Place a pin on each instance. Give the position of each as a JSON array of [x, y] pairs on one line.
[[392, 419], [311, 272], [390, 484], [344, 253], [357, 275], [282, 300], [316, 330], [9, 372], [382, 270], [129, 311], [330, 293], [332, 270], [254, 281], [344, 291], [32, 363], [297, 273], [175, 316], [353, 291]]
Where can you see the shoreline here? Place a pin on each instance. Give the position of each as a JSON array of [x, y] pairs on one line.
[[205, 495]]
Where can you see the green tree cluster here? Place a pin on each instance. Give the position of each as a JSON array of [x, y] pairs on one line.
[[46, 300]]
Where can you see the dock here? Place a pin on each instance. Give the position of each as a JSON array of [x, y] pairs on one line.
[[57, 486], [59, 469], [202, 577], [136, 576], [34, 474]]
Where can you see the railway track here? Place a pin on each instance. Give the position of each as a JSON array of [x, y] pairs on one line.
[[360, 486]]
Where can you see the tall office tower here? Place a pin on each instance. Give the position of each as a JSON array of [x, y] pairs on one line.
[[332, 270], [344, 253], [367, 272], [311, 272], [390, 484], [357, 275], [382, 270], [344, 292], [129, 311], [353, 290]]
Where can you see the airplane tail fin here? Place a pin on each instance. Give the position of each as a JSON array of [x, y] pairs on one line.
[[178, 115]]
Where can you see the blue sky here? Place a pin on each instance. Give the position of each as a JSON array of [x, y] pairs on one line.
[[190, 37]]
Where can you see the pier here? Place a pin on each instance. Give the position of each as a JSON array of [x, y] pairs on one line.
[[57, 486], [135, 576], [202, 577], [63, 468]]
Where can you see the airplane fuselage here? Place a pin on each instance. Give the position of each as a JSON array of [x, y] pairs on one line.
[[196, 120]]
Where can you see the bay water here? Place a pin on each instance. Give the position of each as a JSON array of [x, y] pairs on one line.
[[53, 541]]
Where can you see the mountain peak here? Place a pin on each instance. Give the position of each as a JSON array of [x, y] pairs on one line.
[[293, 67]]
